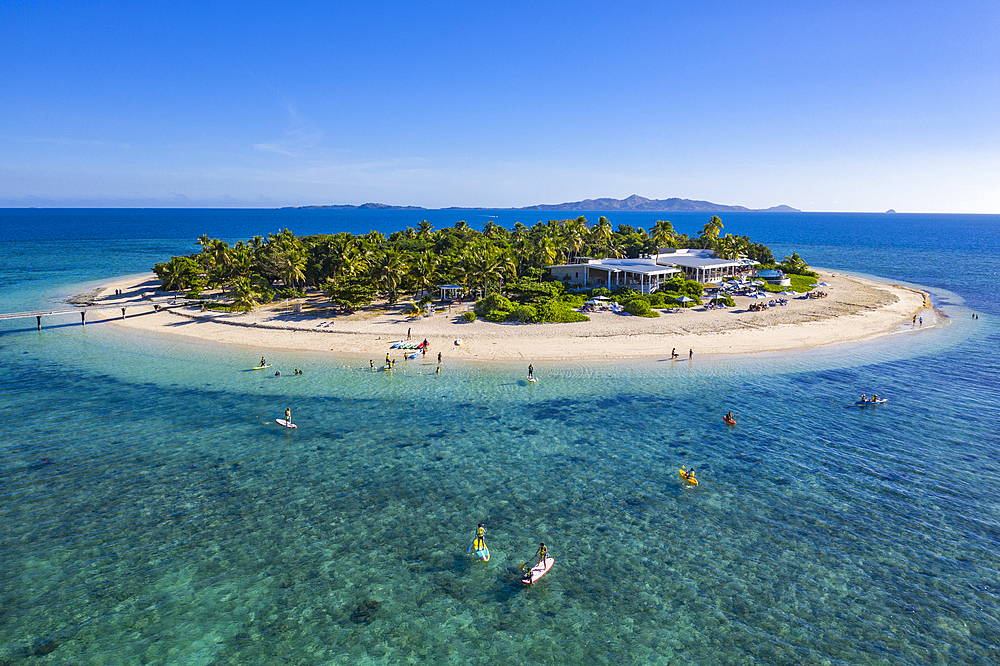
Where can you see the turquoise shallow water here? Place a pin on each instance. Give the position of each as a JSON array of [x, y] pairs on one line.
[[154, 513]]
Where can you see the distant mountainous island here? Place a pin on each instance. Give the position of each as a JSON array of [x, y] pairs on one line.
[[634, 202]]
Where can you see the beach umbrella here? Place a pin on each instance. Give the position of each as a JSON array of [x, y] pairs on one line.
[[823, 284], [684, 300], [601, 298], [758, 282], [815, 284]]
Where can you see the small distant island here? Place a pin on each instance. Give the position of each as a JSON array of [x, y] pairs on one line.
[[632, 203]]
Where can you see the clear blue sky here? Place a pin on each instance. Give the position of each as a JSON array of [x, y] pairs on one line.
[[829, 106]]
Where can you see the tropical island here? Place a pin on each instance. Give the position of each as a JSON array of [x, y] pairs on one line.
[[527, 290]]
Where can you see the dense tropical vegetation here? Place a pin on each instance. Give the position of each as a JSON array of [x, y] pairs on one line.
[[505, 268]]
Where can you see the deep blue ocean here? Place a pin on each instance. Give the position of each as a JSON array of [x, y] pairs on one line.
[[152, 512]]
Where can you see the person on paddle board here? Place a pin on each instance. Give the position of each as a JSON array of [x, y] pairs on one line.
[[541, 552], [288, 415], [480, 539], [531, 372], [263, 362]]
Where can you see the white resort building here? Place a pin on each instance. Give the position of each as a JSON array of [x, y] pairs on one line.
[[646, 273]]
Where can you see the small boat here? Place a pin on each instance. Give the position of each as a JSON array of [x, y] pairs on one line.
[[729, 420], [688, 475], [865, 403]]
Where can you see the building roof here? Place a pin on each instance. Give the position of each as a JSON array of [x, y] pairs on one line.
[[643, 265], [695, 258]]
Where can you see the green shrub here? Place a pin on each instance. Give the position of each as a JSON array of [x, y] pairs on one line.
[[523, 313], [559, 312], [574, 300], [496, 315], [640, 308], [469, 316], [492, 302], [194, 293], [600, 291], [657, 300]]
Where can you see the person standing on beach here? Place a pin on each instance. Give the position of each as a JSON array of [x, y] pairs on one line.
[[408, 333], [439, 358], [690, 354]]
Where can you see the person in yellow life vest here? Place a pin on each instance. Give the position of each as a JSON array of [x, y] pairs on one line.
[[541, 552], [480, 539]]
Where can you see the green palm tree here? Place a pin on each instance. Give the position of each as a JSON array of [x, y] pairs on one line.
[[663, 233], [424, 229], [601, 233], [293, 267], [388, 270], [425, 271], [178, 274], [244, 294]]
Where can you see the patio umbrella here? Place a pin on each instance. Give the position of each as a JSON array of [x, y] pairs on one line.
[[815, 284], [601, 298], [758, 282], [683, 300]]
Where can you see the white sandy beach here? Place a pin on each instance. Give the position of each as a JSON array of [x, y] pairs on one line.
[[855, 310]]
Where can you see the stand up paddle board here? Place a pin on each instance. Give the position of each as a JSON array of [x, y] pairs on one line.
[[287, 424], [532, 379], [260, 367], [483, 553], [538, 571]]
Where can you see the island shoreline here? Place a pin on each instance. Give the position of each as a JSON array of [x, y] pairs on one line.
[[857, 309]]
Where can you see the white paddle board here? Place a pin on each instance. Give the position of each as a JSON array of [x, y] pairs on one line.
[[287, 424], [532, 379], [538, 571]]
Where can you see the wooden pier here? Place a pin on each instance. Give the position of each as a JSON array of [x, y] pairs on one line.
[[38, 314]]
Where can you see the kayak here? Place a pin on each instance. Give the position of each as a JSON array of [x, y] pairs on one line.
[[538, 571], [690, 479], [880, 401], [729, 421]]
